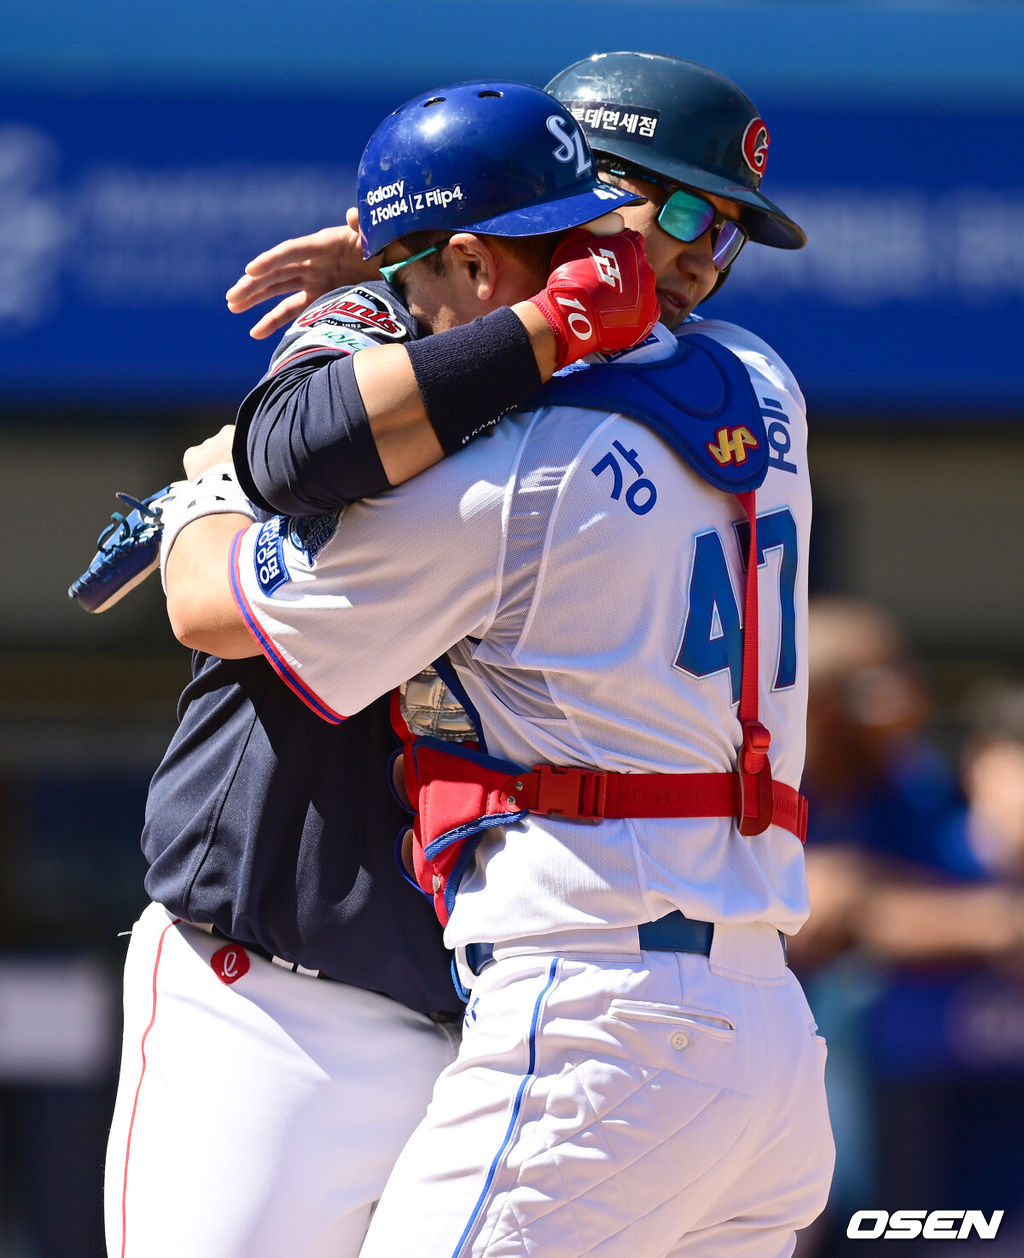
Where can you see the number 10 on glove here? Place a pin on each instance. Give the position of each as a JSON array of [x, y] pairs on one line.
[[600, 294]]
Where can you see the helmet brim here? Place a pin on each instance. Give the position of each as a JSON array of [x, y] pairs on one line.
[[556, 216], [764, 222]]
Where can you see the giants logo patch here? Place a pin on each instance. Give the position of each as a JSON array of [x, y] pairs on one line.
[[360, 309], [755, 146]]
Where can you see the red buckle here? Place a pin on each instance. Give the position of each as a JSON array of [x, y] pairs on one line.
[[757, 801], [801, 818], [576, 793], [756, 741], [757, 794]]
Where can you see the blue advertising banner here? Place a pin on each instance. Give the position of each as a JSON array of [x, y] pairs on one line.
[[125, 218], [910, 292], [126, 215]]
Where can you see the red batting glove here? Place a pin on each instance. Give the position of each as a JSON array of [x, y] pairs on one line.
[[599, 295]]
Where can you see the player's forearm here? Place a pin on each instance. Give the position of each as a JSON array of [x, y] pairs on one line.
[[542, 339], [200, 603]]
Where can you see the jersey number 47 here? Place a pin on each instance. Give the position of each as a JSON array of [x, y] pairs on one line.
[[712, 640]]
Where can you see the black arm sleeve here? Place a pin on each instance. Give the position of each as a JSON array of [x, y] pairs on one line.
[[470, 376], [303, 444]]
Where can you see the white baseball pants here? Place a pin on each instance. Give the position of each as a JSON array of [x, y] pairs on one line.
[[646, 1106], [259, 1111]]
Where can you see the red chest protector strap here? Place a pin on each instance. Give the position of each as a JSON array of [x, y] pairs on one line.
[[460, 792]]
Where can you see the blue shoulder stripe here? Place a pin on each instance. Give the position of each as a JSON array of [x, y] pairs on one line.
[[699, 400]]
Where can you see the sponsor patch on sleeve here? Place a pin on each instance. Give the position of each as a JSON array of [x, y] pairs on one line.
[[268, 555], [327, 337], [282, 541]]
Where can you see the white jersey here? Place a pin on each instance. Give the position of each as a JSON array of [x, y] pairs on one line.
[[588, 588]]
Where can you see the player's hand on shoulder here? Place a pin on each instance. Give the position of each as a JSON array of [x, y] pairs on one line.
[[600, 294], [214, 450], [299, 271]]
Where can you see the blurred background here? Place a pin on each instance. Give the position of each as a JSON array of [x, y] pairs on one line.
[[147, 152]]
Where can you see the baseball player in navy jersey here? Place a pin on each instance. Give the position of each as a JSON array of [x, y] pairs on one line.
[[288, 998], [614, 583]]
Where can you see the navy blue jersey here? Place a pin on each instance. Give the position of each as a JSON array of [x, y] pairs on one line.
[[262, 819], [279, 830]]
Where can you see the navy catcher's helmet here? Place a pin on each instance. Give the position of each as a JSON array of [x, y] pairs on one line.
[[494, 157], [683, 122]]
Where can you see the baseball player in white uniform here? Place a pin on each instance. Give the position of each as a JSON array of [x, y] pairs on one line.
[[620, 596]]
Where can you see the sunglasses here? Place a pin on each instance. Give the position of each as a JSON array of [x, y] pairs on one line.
[[686, 216], [389, 271]]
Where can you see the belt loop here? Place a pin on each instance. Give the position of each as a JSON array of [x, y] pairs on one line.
[[750, 951]]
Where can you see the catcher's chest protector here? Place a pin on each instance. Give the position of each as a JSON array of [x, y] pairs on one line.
[[718, 430]]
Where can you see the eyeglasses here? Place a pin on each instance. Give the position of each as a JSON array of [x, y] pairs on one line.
[[389, 271], [687, 216]]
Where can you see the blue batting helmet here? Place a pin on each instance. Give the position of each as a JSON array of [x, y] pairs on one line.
[[494, 157]]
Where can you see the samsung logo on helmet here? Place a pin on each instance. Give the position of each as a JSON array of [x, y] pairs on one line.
[[385, 192]]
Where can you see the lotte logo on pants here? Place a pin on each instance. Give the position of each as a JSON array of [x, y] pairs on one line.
[[230, 963]]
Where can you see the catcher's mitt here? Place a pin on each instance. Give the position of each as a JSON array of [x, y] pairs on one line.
[[129, 550]]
